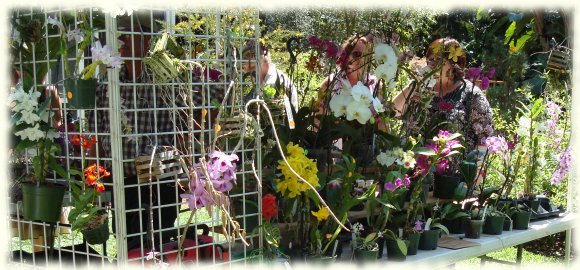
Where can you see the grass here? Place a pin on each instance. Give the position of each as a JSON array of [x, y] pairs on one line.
[[510, 254]]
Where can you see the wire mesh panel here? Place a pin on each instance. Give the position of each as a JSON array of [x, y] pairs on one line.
[[160, 160]]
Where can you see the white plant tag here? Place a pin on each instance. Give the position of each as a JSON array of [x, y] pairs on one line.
[[289, 112], [428, 224]]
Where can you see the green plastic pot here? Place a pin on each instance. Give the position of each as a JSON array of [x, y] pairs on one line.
[[508, 224], [473, 228], [493, 225], [394, 253], [80, 94], [444, 186], [414, 239], [366, 255], [456, 225], [99, 235], [429, 239], [521, 220], [42, 203]]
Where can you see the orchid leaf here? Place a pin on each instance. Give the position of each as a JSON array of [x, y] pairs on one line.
[[441, 227], [425, 151], [402, 246]]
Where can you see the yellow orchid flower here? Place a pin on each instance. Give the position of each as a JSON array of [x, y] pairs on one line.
[[321, 214], [435, 48], [455, 52]]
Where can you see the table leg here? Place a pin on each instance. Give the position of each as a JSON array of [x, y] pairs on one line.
[[568, 240], [519, 255]]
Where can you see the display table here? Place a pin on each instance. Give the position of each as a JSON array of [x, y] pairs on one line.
[[490, 243]]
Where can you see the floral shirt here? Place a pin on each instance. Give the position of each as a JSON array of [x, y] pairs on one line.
[[468, 112]]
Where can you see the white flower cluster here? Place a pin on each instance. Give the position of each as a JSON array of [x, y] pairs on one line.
[[397, 155], [105, 55], [27, 116], [388, 69], [355, 102]]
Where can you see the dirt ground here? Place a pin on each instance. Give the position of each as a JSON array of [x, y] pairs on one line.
[[552, 246]]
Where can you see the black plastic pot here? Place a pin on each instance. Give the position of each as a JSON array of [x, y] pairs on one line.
[[521, 220], [493, 225], [413, 245], [473, 228], [508, 224], [429, 239], [455, 226]]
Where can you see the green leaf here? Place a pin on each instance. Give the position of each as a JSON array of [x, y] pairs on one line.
[[425, 151], [509, 33], [370, 237], [440, 226], [460, 191], [402, 246]]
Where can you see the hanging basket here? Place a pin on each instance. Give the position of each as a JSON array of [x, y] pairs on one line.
[[560, 59], [276, 106], [80, 94], [164, 164], [163, 61], [99, 235], [42, 203]]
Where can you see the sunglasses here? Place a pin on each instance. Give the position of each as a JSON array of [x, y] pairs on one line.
[[356, 54]]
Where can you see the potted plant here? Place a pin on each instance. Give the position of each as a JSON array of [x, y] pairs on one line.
[[31, 120], [365, 248], [432, 229], [80, 88], [474, 226], [494, 221], [397, 248], [86, 216], [520, 216], [453, 217]]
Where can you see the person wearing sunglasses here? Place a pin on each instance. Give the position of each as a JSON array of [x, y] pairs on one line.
[[354, 65], [455, 99]]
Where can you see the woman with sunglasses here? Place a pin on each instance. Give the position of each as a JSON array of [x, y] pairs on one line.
[[456, 100], [354, 63]]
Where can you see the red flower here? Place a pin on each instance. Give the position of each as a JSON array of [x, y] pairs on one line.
[[94, 172], [75, 140], [269, 208], [88, 143], [100, 187], [91, 179], [445, 106]]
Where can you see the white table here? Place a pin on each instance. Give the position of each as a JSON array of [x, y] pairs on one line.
[[441, 257], [491, 243]]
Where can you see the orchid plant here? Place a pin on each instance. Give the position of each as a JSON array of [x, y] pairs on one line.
[[31, 122], [79, 37]]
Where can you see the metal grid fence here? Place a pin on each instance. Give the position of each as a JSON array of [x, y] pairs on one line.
[[139, 115]]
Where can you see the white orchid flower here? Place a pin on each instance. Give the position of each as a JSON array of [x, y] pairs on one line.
[[385, 53], [359, 111], [361, 93], [386, 72], [75, 35], [28, 117], [31, 133], [55, 22], [346, 86], [339, 103], [378, 106], [386, 159]]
